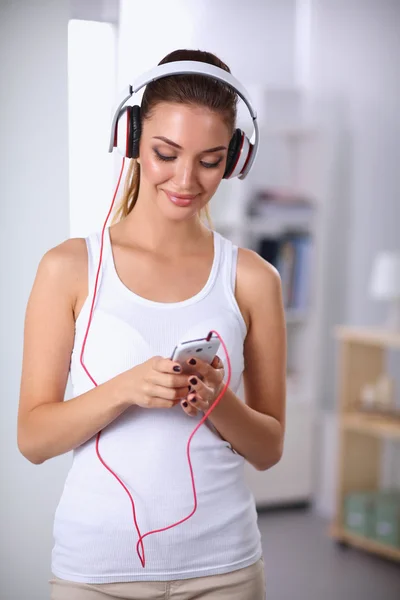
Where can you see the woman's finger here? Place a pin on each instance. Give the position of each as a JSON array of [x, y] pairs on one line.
[[193, 404], [189, 408], [165, 365], [198, 402], [217, 363], [210, 373], [200, 387], [168, 393]]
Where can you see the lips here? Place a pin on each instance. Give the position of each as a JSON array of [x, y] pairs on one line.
[[180, 199]]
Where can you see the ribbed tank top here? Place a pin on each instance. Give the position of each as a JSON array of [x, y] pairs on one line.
[[94, 534]]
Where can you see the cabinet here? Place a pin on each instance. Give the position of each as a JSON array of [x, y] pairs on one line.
[[362, 353]]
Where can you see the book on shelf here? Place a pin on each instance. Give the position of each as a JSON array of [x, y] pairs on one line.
[[271, 202], [291, 255]]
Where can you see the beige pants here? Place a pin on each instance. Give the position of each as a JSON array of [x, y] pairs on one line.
[[244, 584]]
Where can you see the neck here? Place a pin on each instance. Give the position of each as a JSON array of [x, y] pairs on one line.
[[148, 228]]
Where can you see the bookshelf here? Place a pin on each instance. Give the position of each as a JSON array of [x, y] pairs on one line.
[[362, 353], [280, 206]]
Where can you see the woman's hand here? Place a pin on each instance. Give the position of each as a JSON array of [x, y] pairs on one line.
[[206, 384], [156, 383]]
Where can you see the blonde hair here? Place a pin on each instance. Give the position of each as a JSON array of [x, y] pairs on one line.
[[191, 89]]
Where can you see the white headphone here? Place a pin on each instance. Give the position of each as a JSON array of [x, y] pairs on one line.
[[126, 126]]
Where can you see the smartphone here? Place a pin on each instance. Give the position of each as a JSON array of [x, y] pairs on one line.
[[199, 348]]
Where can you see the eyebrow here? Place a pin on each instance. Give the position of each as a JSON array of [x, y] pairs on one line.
[[175, 145]]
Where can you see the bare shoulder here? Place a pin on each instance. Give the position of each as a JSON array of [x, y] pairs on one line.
[[67, 254], [258, 283], [49, 327], [65, 265], [255, 269]]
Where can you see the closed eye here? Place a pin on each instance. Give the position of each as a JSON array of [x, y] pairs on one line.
[[207, 165]]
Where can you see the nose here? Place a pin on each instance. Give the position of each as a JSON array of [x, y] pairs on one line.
[[185, 175]]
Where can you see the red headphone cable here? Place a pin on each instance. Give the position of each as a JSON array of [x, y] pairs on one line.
[[205, 416]]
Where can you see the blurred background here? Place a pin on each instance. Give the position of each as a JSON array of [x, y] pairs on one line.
[[322, 204]]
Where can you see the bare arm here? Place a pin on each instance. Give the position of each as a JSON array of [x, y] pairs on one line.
[[256, 429], [48, 426]]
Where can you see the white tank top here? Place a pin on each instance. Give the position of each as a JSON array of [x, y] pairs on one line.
[[94, 533]]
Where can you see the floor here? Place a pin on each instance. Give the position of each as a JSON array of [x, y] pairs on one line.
[[304, 563]]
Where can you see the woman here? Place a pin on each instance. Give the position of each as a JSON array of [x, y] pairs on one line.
[[166, 278]]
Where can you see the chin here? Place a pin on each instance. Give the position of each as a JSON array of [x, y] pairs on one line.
[[178, 214]]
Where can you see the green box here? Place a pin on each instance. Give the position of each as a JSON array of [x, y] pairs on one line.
[[387, 518], [359, 513]]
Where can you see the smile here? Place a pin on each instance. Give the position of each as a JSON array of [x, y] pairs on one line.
[[180, 199]]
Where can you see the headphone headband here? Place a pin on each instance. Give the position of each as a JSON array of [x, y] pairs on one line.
[[184, 67]]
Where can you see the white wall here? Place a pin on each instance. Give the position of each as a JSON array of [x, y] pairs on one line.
[[34, 216], [106, 11], [355, 51], [355, 45], [91, 100], [256, 39]]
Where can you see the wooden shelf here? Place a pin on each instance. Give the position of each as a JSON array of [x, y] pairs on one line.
[[369, 336], [364, 543], [371, 424], [362, 353]]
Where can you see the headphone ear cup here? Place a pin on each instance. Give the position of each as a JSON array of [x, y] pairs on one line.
[[233, 148], [238, 153], [128, 130], [136, 129], [122, 130]]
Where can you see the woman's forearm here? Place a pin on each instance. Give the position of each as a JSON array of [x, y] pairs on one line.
[[254, 435], [55, 428]]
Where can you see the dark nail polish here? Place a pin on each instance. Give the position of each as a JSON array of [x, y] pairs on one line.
[[185, 404], [193, 381], [192, 361], [193, 399], [190, 387], [177, 369]]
